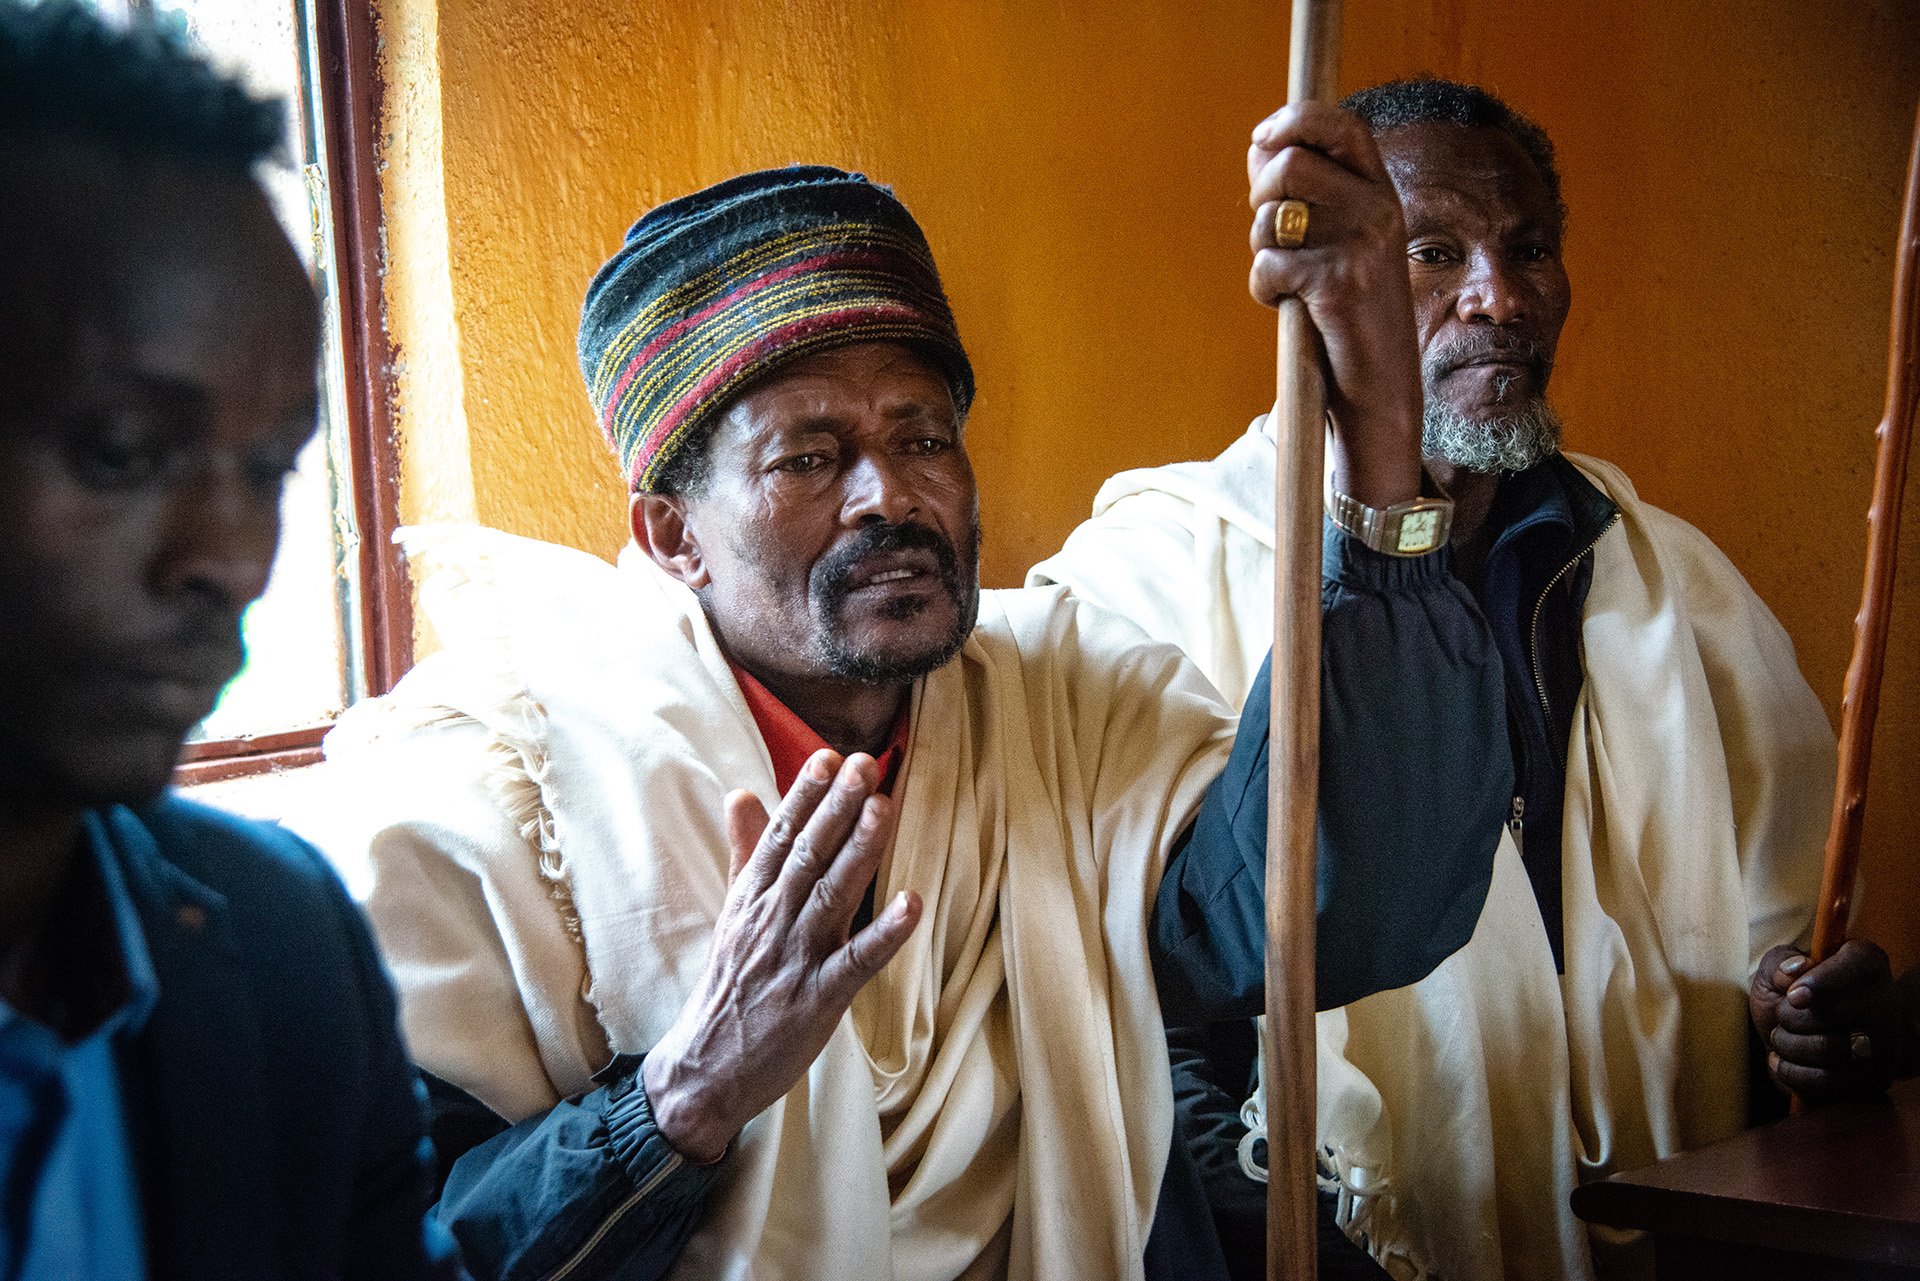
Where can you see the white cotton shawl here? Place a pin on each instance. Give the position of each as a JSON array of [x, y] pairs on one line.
[[1458, 1114], [542, 803]]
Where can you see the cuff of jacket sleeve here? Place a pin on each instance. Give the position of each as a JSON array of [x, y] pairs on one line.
[[637, 1144], [1347, 561]]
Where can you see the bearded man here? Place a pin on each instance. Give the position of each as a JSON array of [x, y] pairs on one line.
[[1672, 768], [912, 1027]]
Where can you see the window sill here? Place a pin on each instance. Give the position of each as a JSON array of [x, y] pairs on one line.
[[228, 758]]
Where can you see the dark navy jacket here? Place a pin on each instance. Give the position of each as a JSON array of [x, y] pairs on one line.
[[1533, 590], [1416, 759], [276, 1125]]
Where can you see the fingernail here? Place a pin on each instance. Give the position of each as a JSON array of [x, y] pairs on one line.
[[899, 909], [1800, 996], [817, 769], [1793, 965], [1262, 133]]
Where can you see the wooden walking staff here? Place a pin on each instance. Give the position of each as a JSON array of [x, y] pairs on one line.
[[1293, 776], [1861, 701]]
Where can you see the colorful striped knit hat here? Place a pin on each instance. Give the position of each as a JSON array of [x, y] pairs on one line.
[[714, 291]]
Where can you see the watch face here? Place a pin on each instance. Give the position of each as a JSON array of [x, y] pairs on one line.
[[1418, 531]]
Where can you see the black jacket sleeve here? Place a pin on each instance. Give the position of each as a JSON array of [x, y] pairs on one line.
[[588, 1188], [1213, 1074], [1415, 779]]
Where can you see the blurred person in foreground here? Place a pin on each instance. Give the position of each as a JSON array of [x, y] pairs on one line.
[[200, 1073]]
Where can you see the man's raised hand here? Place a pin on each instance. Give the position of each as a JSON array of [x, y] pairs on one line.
[[783, 968]]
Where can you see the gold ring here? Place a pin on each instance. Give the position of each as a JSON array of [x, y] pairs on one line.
[[1290, 224]]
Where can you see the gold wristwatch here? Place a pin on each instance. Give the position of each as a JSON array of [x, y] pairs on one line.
[[1404, 529]]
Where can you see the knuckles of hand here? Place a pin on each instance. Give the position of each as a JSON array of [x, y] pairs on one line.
[[825, 897], [804, 858]]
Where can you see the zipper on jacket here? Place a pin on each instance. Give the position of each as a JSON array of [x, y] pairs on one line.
[[638, 1195], [1533, 632], [1516, 819]]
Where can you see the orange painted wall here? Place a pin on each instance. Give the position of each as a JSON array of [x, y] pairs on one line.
[[1732, 173], [1087, 214]]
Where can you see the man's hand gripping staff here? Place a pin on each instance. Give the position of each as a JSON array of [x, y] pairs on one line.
[[783, 968], [1351, 271], [1843, 1028]]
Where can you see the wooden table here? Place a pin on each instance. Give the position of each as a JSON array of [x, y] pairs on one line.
[[1832, 1194]]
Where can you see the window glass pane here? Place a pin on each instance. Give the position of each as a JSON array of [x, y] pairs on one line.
[[293, 674], [296, 671], [299, 669]]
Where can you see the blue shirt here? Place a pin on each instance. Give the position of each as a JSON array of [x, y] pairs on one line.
[[69, 1199]]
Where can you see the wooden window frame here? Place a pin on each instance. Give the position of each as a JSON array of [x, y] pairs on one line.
[[350, 93]]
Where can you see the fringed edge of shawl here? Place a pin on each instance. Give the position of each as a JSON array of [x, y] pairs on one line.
[[516, 778], [1364, 1207], [1363, 1199], [454, 560], [515, 773]]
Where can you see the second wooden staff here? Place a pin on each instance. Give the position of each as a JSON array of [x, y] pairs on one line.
[[1860, 701], [1293, 776]]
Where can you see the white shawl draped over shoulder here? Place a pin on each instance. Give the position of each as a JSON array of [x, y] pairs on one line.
[[1459, 1113], [541, 803]]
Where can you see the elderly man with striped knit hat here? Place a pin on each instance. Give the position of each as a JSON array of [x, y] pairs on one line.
[[912, 1024]]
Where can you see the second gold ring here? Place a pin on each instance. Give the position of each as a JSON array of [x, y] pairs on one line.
[[1290, 224]]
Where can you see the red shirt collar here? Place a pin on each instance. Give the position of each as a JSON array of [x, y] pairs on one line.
[[791, 741]]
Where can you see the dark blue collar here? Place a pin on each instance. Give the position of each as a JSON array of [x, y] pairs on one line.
[[142, 986], [186, 1075], [1550, 495], [1534, 499], [125, 966]]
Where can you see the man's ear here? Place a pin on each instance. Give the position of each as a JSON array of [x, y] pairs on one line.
[[661, 531]]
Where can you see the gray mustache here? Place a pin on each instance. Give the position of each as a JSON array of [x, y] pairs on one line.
[[1454, 353]]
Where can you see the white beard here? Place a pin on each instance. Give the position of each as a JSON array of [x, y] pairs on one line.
[[1504, 443]]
